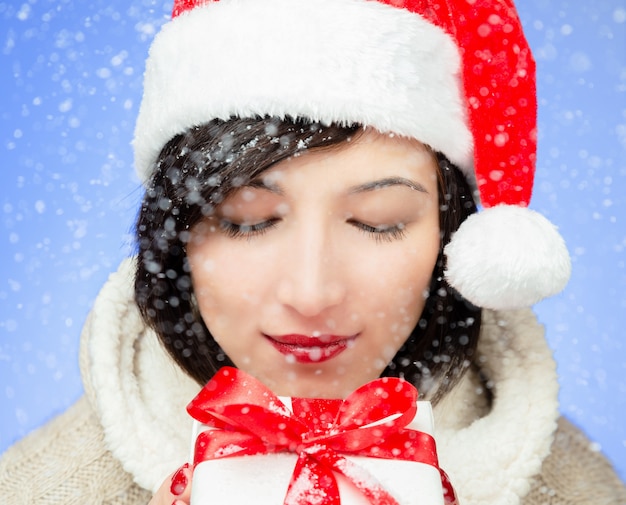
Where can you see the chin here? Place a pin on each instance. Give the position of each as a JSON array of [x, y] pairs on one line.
[[316, 382]]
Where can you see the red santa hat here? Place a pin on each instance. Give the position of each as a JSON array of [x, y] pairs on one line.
[[457, 75]]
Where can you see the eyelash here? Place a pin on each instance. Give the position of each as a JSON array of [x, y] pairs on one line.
[[378, 233], [381, 233], [235, 230]]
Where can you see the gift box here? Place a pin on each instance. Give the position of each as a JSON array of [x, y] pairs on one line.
[[373, 448]]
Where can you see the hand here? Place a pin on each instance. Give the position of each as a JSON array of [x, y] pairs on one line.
[[176, 489]]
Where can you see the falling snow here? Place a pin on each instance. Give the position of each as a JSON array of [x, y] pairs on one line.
[[71, 81]]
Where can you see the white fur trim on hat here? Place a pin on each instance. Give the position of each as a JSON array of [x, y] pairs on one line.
[[507, 257], [343, 61]]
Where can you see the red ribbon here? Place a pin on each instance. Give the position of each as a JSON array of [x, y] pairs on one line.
[[370, 422]]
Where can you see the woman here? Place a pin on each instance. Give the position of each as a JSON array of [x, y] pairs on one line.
[[316, 251]]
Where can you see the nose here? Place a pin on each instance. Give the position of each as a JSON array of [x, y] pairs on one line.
[[312, 279]]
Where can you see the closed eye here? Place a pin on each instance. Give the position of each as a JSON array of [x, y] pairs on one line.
[[247, 230], [381, 232]]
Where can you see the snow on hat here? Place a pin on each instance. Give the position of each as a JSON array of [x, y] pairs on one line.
[[457, 75]]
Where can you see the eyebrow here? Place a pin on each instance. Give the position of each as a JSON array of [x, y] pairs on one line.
[[263, 184], [359, 188], [386, 183]]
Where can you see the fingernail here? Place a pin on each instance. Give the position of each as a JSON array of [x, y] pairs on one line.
[[179, 481]]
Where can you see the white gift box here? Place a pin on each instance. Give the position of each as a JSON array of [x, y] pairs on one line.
[[264, 479]]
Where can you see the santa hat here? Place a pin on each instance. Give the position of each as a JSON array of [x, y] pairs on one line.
[[457, 75]]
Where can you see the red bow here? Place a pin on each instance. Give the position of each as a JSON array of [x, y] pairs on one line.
[[370, 422]]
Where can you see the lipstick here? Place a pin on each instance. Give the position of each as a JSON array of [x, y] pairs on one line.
[[307, 349]]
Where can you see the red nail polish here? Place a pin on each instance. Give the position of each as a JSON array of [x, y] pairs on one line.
[[179, 481]]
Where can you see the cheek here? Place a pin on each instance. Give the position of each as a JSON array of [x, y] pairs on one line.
[[213, 296], [403, 285], [208, 275], [203, 272], [225, 282], [407, 298]]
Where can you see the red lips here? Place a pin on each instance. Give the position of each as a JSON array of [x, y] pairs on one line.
[[306, 349]]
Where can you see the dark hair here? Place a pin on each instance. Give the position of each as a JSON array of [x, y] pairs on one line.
[[198, 169]]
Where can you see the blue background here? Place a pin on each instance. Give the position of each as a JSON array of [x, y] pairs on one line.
[[70, 86]]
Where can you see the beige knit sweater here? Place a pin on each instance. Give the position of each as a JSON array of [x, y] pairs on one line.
[[116, 444]]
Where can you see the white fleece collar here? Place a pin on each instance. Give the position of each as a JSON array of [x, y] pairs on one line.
[[140, 396], [492, 460]]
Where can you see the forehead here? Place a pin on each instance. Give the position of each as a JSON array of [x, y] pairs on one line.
[[368, 156]]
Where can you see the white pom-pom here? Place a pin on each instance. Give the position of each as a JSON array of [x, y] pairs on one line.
[[507, 257]]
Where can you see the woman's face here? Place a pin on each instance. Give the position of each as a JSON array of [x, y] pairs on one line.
[[312, 276]]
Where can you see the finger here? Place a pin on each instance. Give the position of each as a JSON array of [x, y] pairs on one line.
[[163, 496], [176, 482], [180, 487]]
